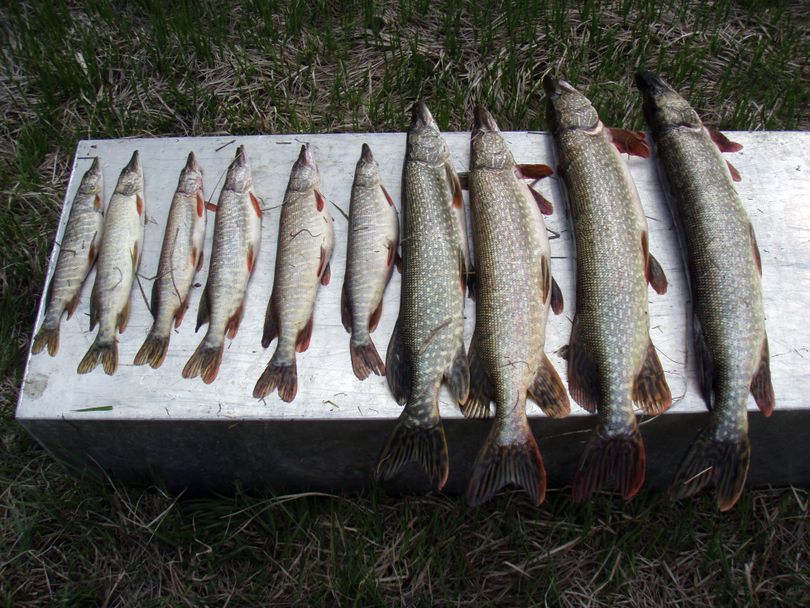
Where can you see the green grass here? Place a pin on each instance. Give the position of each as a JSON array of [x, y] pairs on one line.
[[112, 69]]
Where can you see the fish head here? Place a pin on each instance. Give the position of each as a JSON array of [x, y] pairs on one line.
[[304, 175], [367, 172], [663, 107], [488, 150], [239, 178], [191, 177], [93, 180], [567, 108], [131, 179], [425, 141]]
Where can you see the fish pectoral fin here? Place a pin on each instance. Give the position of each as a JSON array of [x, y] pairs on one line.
[[650, 390], [545, 206], [705, 364], [723, 142], [323, 265], [534, 171], [557, 303], [481, 391], [270, 332], [755, 248], [387, 196], [545, 279], [200, 205], [397, 367], [304, 336], [455, 186], [251, 261], [735, 175], [761, 386], [203, 312], [630, 142], [655, 275], [458, 375], [548, 391], [346, 306], [123, 317], [583, 380]]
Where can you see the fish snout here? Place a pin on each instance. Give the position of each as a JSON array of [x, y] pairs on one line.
[[422, 116], [306, 158], [366, 154], [484, 120], [192, 164], [650, 84], [134, 164]]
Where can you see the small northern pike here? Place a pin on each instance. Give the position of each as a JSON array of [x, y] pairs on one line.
[[612, 363], [514, 290], [180, 258], [725, 270], [237, 235], [77, 253], [306, 238], [372, 250], [427, 345], [118, 260]]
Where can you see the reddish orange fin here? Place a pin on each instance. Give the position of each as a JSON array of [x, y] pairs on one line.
[[322, 263], [71, 307], [250, 260], [327, 275], [655, 275], [735, 175], [97, 202], [281, 377], [232, 327], [304, 337], [630, 142], [200, 204], [387, 196], [320, 203], [557, 303], [761, 386], [723, 142], [256, 205], [139, 203], [91, 255], [546, 208], [534, 171]]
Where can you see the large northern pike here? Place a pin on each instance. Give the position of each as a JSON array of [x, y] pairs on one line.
[[372, 249], [77, 254], [612, 362], [514, 290], [306, 238], [237, 235], [180, 259], [724, 271], [118, 260], [427, 345]]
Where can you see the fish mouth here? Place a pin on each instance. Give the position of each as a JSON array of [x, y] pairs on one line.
[[192, 164], [422, 116], [484, 120], [555, 87], [305, 157], [366, 154], [134, 164], [650, 84]]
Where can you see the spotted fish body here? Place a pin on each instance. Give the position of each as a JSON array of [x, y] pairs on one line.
[[180, 258], [513, 296], [237, 236], [726, 286], [118, 260], [371, 252], [305, 244], [612, 362], [428, 341], [77, 254]]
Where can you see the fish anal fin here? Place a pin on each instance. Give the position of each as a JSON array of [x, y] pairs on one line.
[[650, 390], [723, 142], [346, 307], [619, 458], [557, 302], [458, 376], [630, 142], [232, 328], [72, 304], [653, 272], [123, 317], [735, 175], [200, 261], [545, 279], [304, 336], [154, 301], [375, 317], [761, 385], [398, 368], [181, 312], [481, 390], [270, 332], [548, 391], [91, 254], [203, 312], [705, 364], [583, 380], [94, 306]]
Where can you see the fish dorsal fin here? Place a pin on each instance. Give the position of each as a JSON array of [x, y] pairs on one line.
[[203, 313], [304, 336], [455, 185], [346, 306], [458, 375], [583, 380], [481, 391]]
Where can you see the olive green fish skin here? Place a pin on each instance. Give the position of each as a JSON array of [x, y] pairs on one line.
[[720, 250], [79, 245], [611, 289]]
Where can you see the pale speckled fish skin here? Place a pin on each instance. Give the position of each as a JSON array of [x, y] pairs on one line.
[[180, 258], [610, 343], [513, 297], [724, 276], [371, 252], [118, 260], [305, 244], [428, 341], [77, 254], [237, 236]]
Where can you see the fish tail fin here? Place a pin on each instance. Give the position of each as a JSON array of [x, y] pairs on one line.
[[153, 351], [205, 362], [366, 359], [281, 376], [413, 442], [46, 337], [711, 461], [104, 351], [549, 392], [518, 463], [620, 458]]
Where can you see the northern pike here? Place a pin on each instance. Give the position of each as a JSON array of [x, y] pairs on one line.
[[371, 252], [237, 236], [118, 259], [427, 345], [306, 238], [514, 291], [180, 259], [724, 270], [612, 363], [77, 254]]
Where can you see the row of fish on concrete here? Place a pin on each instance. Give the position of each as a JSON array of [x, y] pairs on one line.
[[613, 366]]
